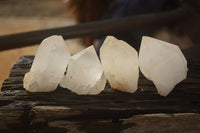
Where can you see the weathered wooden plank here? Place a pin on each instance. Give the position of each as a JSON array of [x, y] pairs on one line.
[[32, 110], [22, 66], [151, 123], [11, 119], [104, 106]]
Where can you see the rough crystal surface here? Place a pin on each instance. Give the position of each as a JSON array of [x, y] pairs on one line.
[[120, 64], [163, 63], [84, 73], [48, 66]]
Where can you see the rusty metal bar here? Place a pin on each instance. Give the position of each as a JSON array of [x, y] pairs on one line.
[[94, 28]]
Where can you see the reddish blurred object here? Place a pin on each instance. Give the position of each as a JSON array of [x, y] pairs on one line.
[[87, 11]]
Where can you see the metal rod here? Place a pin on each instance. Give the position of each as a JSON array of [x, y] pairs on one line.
[[93, 28]]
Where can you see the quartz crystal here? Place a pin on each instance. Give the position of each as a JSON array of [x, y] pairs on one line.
[[163, 63], [120, 64], [48, 66], [84, 73]]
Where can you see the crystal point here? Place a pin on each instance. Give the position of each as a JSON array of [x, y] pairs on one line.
[[84, 73], [163, 63], [120, 64], [48, 66]]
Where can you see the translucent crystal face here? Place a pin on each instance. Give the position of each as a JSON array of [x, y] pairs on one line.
[[48, 66], [163, 63], [120, 64], [84, 73]]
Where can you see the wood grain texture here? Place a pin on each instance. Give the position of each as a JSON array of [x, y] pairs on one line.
[[62, 110]]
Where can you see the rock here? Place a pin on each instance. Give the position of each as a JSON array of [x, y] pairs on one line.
[[120, 64], [84, 73], [48, 66], [163, 63]]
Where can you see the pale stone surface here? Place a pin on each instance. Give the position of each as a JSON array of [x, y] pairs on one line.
[[120, 64], [163, 63], [48, 66], [84, 73]]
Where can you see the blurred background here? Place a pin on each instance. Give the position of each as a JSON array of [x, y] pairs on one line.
[[27, 15]]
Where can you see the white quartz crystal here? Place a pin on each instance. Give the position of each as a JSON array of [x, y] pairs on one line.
[[163, 63], [48, 66], [120, 64], [84, 73]]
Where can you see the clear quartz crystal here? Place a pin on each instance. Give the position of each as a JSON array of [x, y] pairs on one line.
[[84, 73], [163, 63], [48, 66], [120, 64]]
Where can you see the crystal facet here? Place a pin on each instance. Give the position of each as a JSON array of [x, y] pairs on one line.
[[84, 73], [48, 66], [163, 63], [120, 64]]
